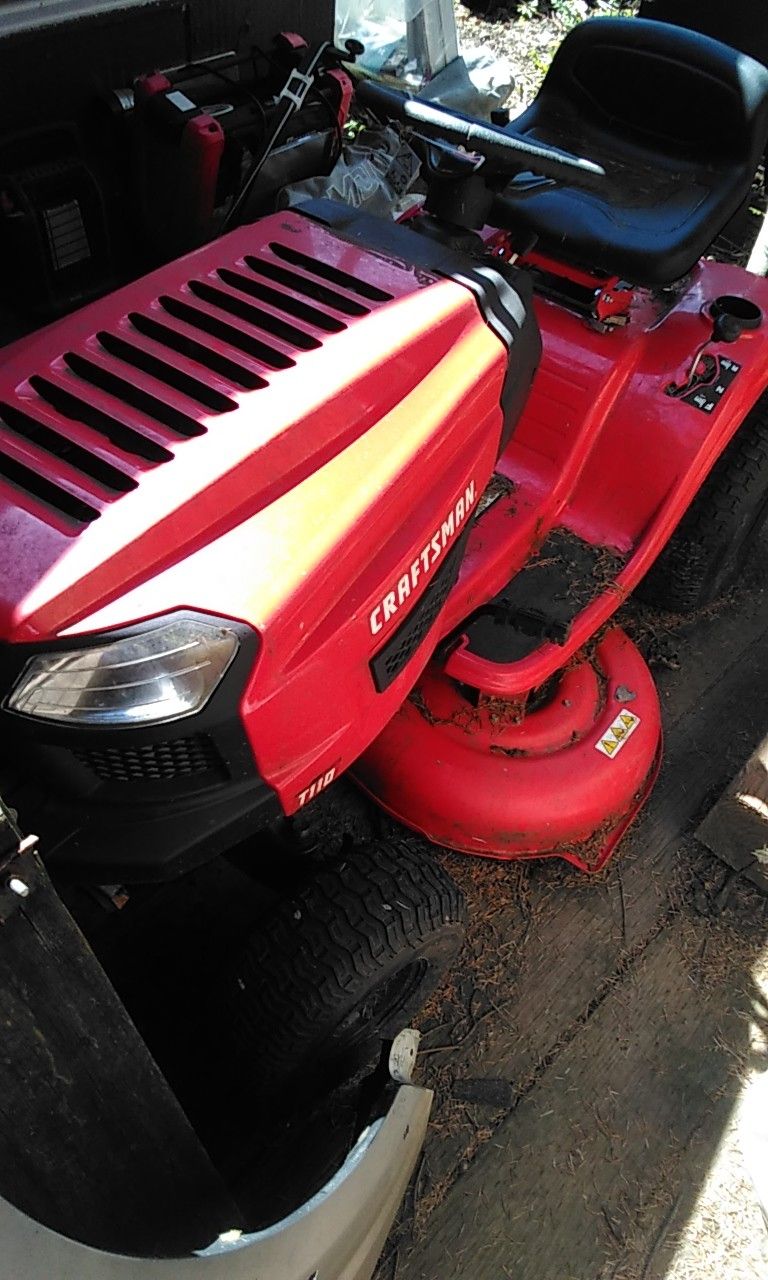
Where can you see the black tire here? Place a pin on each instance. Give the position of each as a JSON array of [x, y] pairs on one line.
[[344, 964], [707, 551]]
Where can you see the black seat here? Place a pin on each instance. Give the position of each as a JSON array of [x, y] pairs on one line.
[[679, 122]]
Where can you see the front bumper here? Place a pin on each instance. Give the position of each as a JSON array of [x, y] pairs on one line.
[[337, 1235], [136, 804], [142, 843]]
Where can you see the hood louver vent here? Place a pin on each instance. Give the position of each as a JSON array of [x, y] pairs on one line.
[[46, 490], [306, 287], [326, 272], [77, 434]]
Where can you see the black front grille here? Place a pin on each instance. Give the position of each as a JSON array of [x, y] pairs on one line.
[[155, 761], [403, 643]]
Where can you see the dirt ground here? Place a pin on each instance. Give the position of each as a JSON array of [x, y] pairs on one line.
[[527, 34], [591, 1052]]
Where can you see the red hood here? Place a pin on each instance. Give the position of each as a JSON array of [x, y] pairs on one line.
[[137, 430]]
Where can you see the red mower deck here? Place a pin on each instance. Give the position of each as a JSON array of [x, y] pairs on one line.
[[493, 777]]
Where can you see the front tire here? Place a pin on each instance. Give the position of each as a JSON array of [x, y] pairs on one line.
[[345, 964], [710, 546]]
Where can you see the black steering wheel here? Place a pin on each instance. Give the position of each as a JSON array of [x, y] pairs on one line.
[[505, 154]]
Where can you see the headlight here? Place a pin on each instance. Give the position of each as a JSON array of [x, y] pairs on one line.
[[161, 674]]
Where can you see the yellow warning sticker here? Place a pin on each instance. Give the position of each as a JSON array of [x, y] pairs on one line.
[[619, 733]]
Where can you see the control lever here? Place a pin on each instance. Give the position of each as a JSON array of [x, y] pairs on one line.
[[731, 316]]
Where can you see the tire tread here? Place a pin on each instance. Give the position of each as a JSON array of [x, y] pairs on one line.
[[689, 573], [331, 941]]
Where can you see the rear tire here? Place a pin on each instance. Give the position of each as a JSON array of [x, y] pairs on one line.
[[710, 546], [345, 964]]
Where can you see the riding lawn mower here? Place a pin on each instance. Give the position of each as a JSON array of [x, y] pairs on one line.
[[313, 537]]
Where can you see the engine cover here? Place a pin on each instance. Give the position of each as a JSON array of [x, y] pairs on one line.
[[284, 429]]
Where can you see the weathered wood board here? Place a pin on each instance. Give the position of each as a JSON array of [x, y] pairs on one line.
[[736, 828]]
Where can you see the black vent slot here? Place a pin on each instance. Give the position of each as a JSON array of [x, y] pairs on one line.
[[403, 643], [167, 373], [293, 306], [154, 762], [280, 328], [46, 491], [21, 424], [309, 288], [333, 274], [194, 350], [125, 438], [130, 394], [244, 311], [218, 328]]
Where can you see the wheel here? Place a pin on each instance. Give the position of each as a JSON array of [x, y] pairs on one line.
[[708, 549], [344, 964]]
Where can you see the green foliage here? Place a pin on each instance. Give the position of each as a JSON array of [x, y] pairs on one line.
[[562, 15], [568, 12]]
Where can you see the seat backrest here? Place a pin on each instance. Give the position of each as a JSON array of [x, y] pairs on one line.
[[662, 88], [742, 23]]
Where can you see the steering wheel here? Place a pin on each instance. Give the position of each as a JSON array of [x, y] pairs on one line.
[[505, 153]]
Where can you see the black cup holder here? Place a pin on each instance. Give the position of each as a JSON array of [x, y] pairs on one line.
[[733, 316]]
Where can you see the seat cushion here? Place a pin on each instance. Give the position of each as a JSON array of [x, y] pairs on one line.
[[677, 120]]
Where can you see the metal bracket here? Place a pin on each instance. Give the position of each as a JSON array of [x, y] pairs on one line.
[[296, 88]]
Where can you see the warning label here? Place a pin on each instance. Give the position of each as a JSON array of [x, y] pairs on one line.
[[611, 742]]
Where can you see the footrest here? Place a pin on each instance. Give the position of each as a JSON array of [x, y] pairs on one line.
[[541, 602]]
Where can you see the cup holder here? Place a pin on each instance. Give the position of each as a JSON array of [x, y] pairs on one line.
[[733, 316]]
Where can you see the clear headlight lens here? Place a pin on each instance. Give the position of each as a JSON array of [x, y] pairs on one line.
[[162, 674]]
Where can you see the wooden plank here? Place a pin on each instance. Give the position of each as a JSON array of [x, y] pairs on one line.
[[431, 34], [92, 1141], [584, 1174], [736, 828]]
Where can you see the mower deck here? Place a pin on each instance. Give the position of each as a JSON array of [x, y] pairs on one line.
[[562, 774]]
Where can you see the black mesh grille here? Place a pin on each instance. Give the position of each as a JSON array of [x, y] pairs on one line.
[[155, 761], [401, 646]]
